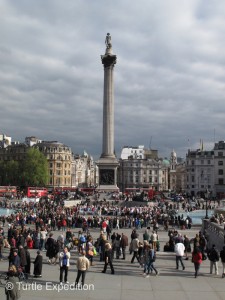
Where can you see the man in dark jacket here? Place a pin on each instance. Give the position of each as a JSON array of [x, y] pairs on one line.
[[213, 256], [222, 256], [124, 244], [15, 259], [50, 247]]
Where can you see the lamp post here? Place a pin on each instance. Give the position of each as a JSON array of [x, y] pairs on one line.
[[206, 203]]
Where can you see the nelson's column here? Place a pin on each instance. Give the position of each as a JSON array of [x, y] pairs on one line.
[[108, 162]]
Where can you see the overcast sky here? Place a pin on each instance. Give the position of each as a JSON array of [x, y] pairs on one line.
[[169, 76]]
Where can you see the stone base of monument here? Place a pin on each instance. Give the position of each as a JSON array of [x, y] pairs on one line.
[[107, 188]]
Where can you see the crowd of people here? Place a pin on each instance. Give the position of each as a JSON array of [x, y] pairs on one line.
[[49, 228]]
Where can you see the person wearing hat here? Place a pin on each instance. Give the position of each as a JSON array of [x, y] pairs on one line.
[[38, 264], [108, 258]]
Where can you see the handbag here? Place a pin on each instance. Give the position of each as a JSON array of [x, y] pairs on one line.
[[94, 251]]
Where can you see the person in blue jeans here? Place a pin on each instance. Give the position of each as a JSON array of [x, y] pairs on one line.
[[149, 266]]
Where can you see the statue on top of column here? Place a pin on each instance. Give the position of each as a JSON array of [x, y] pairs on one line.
[[108, 40]]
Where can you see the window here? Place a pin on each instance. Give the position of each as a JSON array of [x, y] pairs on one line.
[[202, 162], [192, 162], [192, 178], [50, 165], [220, 171], [150, 172], [50, 172], [221, 181], [58, 165], [220, 154], [58, 172], [209, 162], [220, 163]]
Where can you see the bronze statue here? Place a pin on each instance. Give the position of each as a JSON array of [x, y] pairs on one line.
[[108, 41]]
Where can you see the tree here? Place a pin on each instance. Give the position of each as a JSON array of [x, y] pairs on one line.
[[9, 171], [34, 169]]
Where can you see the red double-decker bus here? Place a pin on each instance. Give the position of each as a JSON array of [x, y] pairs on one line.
[[8, 191], [36, 192]]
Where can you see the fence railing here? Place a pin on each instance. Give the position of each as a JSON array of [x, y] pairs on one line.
[[214, 233]]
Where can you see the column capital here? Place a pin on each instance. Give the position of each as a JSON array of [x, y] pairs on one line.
[[108, 60]]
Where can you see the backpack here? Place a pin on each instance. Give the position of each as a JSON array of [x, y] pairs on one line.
[[213, 255], [82, 239]]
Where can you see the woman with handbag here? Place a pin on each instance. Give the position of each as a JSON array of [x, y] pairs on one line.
[[197, 260]]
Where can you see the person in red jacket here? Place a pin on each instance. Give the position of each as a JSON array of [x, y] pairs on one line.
[[197, 259]]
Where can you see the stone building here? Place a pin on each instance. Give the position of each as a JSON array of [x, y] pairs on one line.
[[200, 172], [141, 168], [59, 157], [85, 171], [219, 168]]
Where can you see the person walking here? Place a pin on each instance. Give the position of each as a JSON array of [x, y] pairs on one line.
[[213, 256], [151, 260], [197, 259], [134, 249], [179, 250], [222, 257], [108, 258], [64, 262], [83, 265]]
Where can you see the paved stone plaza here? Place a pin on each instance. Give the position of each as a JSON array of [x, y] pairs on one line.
[[128, 281]]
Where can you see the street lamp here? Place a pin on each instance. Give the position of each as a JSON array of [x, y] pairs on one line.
[[206, 203]]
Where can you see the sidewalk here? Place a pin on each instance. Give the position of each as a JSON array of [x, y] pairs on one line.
[[128, 281]]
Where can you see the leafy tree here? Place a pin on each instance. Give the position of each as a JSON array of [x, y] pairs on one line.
[[34, 169], [9, 171]]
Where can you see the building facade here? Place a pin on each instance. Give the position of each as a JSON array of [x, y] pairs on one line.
[[200, 172], [85, 170], [219, 169], [141, 168], [59, 157]]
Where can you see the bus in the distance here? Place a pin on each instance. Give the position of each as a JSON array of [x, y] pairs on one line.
[[36, 192], [8, 191]]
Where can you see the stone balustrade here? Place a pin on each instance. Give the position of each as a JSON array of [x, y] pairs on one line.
[[214, 233]]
